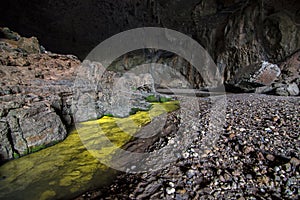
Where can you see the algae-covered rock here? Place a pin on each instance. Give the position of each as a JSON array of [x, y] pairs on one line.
[[75, 165]]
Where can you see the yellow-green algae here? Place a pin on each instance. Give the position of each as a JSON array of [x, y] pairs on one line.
[[68, 168]]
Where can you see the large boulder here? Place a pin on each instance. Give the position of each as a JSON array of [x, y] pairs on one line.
[[99, 92], [34, 127], [129, 92], [290, 89], [288, 83], [251, 77]]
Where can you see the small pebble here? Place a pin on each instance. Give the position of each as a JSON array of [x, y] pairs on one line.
[[170, 190], [270, 157]]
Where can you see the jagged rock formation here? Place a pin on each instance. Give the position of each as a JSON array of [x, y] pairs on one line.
[[34, 94], [237, 33], [38, 96], [98, 91]]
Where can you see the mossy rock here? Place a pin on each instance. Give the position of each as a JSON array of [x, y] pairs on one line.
[[73, 166]]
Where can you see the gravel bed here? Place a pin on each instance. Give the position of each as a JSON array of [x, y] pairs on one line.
[[254, 156]]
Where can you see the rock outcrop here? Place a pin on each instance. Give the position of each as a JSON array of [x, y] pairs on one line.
[[99, 92], [41, 94], [35, 95]]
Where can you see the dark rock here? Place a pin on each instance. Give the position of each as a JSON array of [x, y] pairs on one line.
[[235, 33], [5, 33]]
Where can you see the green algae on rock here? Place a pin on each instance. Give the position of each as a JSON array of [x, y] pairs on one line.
[[67, 169]]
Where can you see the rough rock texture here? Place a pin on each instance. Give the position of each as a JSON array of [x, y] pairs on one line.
[[237, 34], [250, 77], [33, 127], [255, 157], [288, 82], [98, 91], [76, 27], [248, 32], [35, 96], [38, 95], [167, 69]]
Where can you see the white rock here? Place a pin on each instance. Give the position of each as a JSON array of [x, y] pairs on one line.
[[170, 190]]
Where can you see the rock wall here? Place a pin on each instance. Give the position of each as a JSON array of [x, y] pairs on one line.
[[237, 33], [42, 94], [35, 95]]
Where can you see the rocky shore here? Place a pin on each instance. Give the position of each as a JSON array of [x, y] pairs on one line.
[[43, 94], [256, 156], [238, 146]]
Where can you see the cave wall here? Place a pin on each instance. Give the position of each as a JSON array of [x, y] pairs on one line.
[[236, 33], [77, 26]]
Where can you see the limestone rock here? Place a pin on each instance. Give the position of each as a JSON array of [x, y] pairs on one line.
[[281, 35], [33, 127], [27, 45], [281, 90], [98, 91], [290, 68], [293, 89], [5, 146], [129, 92], [9, 34], [251, 77], [35, 94], [267, 74], [205, 8]]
